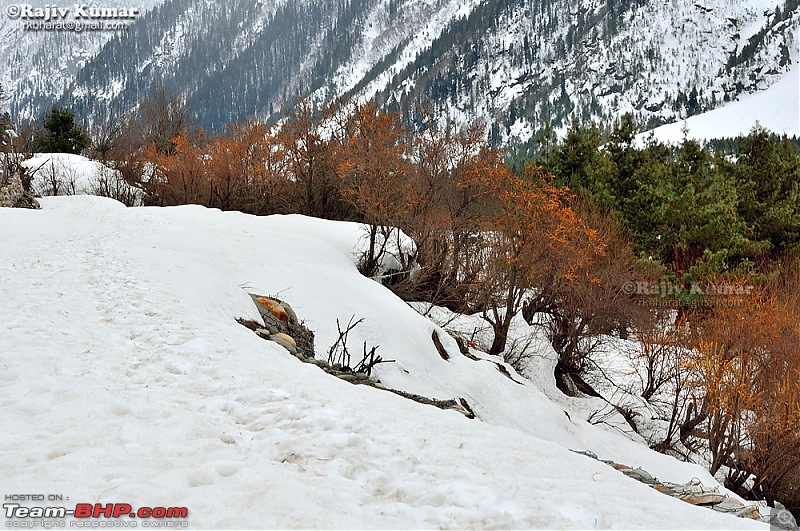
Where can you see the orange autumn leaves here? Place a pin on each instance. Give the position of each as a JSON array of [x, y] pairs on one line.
[[744, 372], [483, 235]]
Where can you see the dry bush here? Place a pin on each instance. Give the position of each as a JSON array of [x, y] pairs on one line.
[[774, 459], [162, 118], [535, 239], [446, 213], [239, 169], [579, 287], [108, 136], [374, 169], [25, 142], [54, 178], [180, 176], [266, 188], [233, 161], [663, 384], [745, 374], [126, 157], [107, 182], [304, 142]]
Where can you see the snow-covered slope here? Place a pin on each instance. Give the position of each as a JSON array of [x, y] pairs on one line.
[[522, 64], [69, 174], [776, 109], [125, 378]]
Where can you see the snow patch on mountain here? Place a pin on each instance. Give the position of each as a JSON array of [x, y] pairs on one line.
[[776, 109]]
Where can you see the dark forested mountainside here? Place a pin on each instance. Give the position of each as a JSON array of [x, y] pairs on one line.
[[516, 64]]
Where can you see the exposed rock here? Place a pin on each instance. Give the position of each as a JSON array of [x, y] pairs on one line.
[[693, 492], [640, 475], [299, 341], [280, 318], [737, 508], [354, 377], [286, 342], [271, 328], [12, 193], [465, 405], [286, 338], [290, 313], [274, 308], [439, 346]]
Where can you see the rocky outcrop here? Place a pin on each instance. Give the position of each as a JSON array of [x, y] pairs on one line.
[[12, 193], [282, 326], [693, 492]]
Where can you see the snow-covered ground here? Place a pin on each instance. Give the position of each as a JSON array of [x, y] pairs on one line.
[[68, 174], [776, 108], [124, 377]]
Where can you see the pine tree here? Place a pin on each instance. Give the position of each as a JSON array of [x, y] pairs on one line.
[[60, 134], [579, 164], [767, 173]]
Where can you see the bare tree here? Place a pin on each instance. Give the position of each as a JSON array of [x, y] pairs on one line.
[[304, 142], [107, 182], [375, 173], [108, 135], [162, 118]]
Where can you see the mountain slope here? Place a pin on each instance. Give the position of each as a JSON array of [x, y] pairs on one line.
[[589, 60], [36, 67], [776, 108], [126, 379], [516, 64]]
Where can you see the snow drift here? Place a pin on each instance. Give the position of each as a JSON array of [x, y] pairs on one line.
[[125, 378]]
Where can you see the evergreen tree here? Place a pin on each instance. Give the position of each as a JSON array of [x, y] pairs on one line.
[[579, 164], [700, 208], [684, 210], [60, 134], [626, 158], [767, 173]]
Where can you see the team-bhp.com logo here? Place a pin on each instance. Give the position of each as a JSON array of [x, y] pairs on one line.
[[93, 515]]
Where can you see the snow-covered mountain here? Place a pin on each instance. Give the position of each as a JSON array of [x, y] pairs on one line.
[[126, 379], [776, 109], [37, 66], [517, 64]]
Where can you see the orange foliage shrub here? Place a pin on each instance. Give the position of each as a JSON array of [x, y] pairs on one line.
[[178, 176], [746, 376], [534, 238]]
